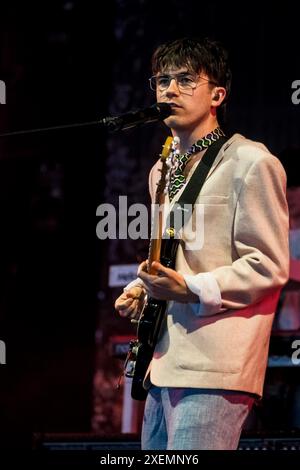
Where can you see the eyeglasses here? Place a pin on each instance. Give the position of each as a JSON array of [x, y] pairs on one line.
[[185, 81]]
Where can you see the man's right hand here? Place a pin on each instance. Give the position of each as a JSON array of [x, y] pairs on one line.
[[130, 303]]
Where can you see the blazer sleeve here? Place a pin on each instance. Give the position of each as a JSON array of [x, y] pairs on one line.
[[260, 237]]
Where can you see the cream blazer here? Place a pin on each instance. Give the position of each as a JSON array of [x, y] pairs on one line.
[[245, 247]]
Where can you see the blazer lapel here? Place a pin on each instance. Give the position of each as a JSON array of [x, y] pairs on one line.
[[219, 157]]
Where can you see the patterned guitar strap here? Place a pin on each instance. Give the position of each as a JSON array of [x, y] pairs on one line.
[[177, 165]]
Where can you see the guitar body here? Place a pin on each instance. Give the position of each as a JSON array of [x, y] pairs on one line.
[[149, 326], [143, 347]]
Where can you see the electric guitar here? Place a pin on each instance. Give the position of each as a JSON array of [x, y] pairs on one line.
[[149, 324]]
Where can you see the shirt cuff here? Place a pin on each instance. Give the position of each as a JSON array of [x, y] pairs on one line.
[[206, 287]]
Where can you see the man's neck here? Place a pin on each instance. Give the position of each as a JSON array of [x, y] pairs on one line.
[[188, 137]]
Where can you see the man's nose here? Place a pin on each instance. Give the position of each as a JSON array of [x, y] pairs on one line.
[[173, 87]]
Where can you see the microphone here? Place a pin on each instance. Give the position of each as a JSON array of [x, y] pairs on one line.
[[156, 112]]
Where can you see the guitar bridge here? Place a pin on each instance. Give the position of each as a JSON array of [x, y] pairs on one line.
[[130, 361]]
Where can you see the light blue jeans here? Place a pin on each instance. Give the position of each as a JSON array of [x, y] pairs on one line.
[[194, 419]]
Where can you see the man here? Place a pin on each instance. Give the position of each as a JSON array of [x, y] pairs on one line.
[[209, 363]]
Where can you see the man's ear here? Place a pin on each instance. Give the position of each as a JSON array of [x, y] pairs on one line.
[[218, 96]]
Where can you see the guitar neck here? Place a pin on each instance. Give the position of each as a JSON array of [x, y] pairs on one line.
[[157, 216], [156, 235]]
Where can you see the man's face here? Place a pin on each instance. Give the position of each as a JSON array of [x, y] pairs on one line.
[[189, 94]]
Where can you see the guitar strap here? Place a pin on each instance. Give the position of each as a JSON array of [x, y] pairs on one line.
[[186, 202]]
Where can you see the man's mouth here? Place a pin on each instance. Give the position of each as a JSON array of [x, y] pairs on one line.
[[174, 105]]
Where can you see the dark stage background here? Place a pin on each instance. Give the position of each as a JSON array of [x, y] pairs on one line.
[[73, 61]]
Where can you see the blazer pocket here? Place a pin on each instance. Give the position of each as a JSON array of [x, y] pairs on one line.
[[212, 200], [194, 358]]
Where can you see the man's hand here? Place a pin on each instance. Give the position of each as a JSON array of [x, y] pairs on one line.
[[130, 303], [167, 284]]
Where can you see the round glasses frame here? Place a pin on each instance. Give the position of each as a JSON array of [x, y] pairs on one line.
[[184, 81]]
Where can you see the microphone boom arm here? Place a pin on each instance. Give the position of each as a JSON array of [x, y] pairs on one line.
[[156, 112]]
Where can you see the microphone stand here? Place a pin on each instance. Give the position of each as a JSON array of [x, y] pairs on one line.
[[52, 128], [156, 112]]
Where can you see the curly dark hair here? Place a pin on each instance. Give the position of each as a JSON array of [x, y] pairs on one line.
[[199, 55]]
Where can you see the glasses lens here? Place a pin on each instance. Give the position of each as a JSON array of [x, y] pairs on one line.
[[153, 83], [163, 82], [184, 81]]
